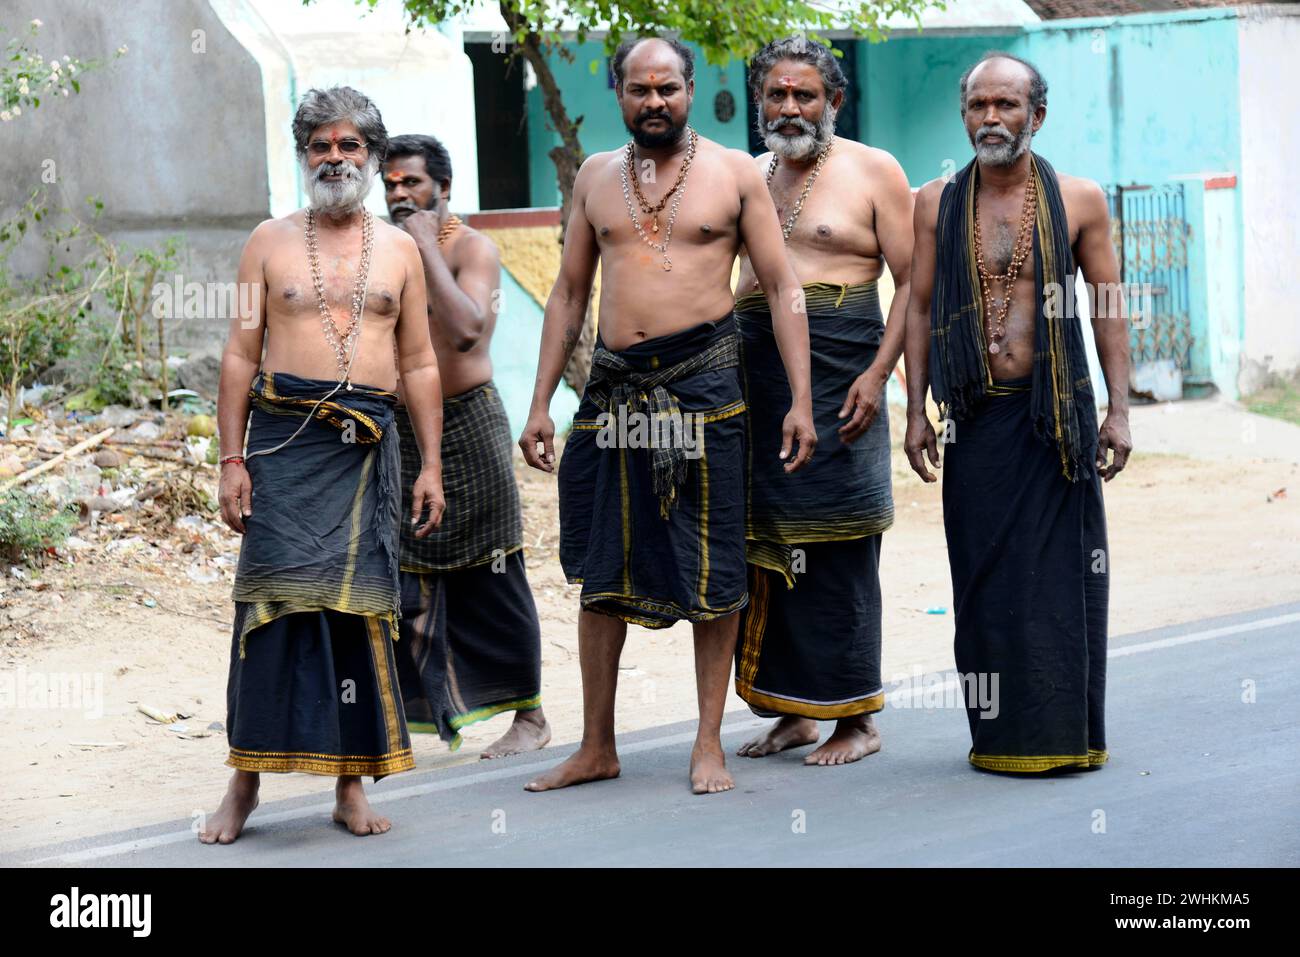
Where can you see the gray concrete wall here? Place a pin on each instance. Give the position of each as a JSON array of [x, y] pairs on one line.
[[170, 139]]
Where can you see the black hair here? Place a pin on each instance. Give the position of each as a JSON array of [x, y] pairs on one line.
[[437, 162], [626, 47], [1037, 85], [801, 50]]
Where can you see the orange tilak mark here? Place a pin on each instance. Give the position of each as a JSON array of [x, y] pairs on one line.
[[394, 177]]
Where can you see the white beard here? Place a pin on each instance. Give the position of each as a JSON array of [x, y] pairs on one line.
[[1005, 153], [345, 196], [804, 146]]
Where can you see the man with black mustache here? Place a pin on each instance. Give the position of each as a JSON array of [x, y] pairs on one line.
[[471, 639], [652, 513]]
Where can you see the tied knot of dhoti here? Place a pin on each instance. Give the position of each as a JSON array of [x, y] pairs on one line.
[[616, 383]]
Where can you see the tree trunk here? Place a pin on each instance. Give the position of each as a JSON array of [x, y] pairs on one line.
[[567, 157]]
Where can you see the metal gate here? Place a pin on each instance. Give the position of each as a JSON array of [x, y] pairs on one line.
[[1150, 233]]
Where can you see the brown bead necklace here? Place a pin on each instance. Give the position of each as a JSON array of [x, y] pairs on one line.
[[996, 315], [628, 172]]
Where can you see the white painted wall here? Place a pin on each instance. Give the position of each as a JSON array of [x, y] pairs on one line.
[[422, 82], [1268, 39]]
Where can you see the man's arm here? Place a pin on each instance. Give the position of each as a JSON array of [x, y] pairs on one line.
[[920, 439], [460, 304], [240, 361], [892, 209], [760, 231], [421, 388], [566, 311], [1095, 255]]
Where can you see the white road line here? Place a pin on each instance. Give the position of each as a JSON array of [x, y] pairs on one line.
[[1204, 635], [400, 794]]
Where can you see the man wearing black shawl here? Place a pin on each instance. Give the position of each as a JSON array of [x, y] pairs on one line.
[[992, 332], [313, 681], [810, 637]]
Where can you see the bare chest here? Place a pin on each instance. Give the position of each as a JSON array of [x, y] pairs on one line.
[[832, 213], [293, 290], [702, 212]]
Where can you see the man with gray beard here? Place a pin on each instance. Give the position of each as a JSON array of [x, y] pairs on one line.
[[996, 248], [809, 644], [313, 680]]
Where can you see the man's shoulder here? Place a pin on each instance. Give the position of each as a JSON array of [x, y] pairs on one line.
[[596, 163], [871, 156], [468, 242], [1084, 198], [738, 161], [386, 232], [1079, 187], [279, 226], [929, 193]]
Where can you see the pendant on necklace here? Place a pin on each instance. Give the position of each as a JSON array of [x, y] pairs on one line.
[[667, 265], [994, 348], [349, 386], [654, 226]]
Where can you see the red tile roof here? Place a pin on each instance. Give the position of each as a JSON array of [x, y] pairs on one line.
[[1062, 9]]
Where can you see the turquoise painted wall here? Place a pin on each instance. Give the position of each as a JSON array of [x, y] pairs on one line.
[[1130, 100], [514, 358], [588, 95]]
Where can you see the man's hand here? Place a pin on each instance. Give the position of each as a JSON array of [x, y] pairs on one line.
[[422, 225], [863, 401], [1113, 436], [921, 441], [798, 428], [539, 430], [235, 495], [427, 494]]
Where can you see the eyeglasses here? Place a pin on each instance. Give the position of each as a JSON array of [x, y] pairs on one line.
[[347, 147]]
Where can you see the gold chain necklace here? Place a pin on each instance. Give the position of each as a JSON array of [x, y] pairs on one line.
[[788, 226], [626, 169], [341, 344], [996, 316], [448, 228]]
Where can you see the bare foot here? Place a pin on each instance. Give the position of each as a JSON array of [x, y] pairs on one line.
[[853, 740], [585, 764], [239, 801], [353, 811], [529, 732], [788, 732], [709, 773]]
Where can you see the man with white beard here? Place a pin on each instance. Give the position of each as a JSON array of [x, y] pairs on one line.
[[809, 645], [313, 681], [1024, 458]]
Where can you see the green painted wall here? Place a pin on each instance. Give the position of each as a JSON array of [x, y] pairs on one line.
[[588, 95], [1131, 100]]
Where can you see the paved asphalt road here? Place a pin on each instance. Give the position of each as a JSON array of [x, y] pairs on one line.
[[1197, 776]]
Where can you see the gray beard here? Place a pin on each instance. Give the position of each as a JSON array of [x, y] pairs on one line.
[[342, 198], [804, 146], [1004, 154]]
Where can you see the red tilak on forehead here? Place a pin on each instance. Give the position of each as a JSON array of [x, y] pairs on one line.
[[788, 81], [395, 176]]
